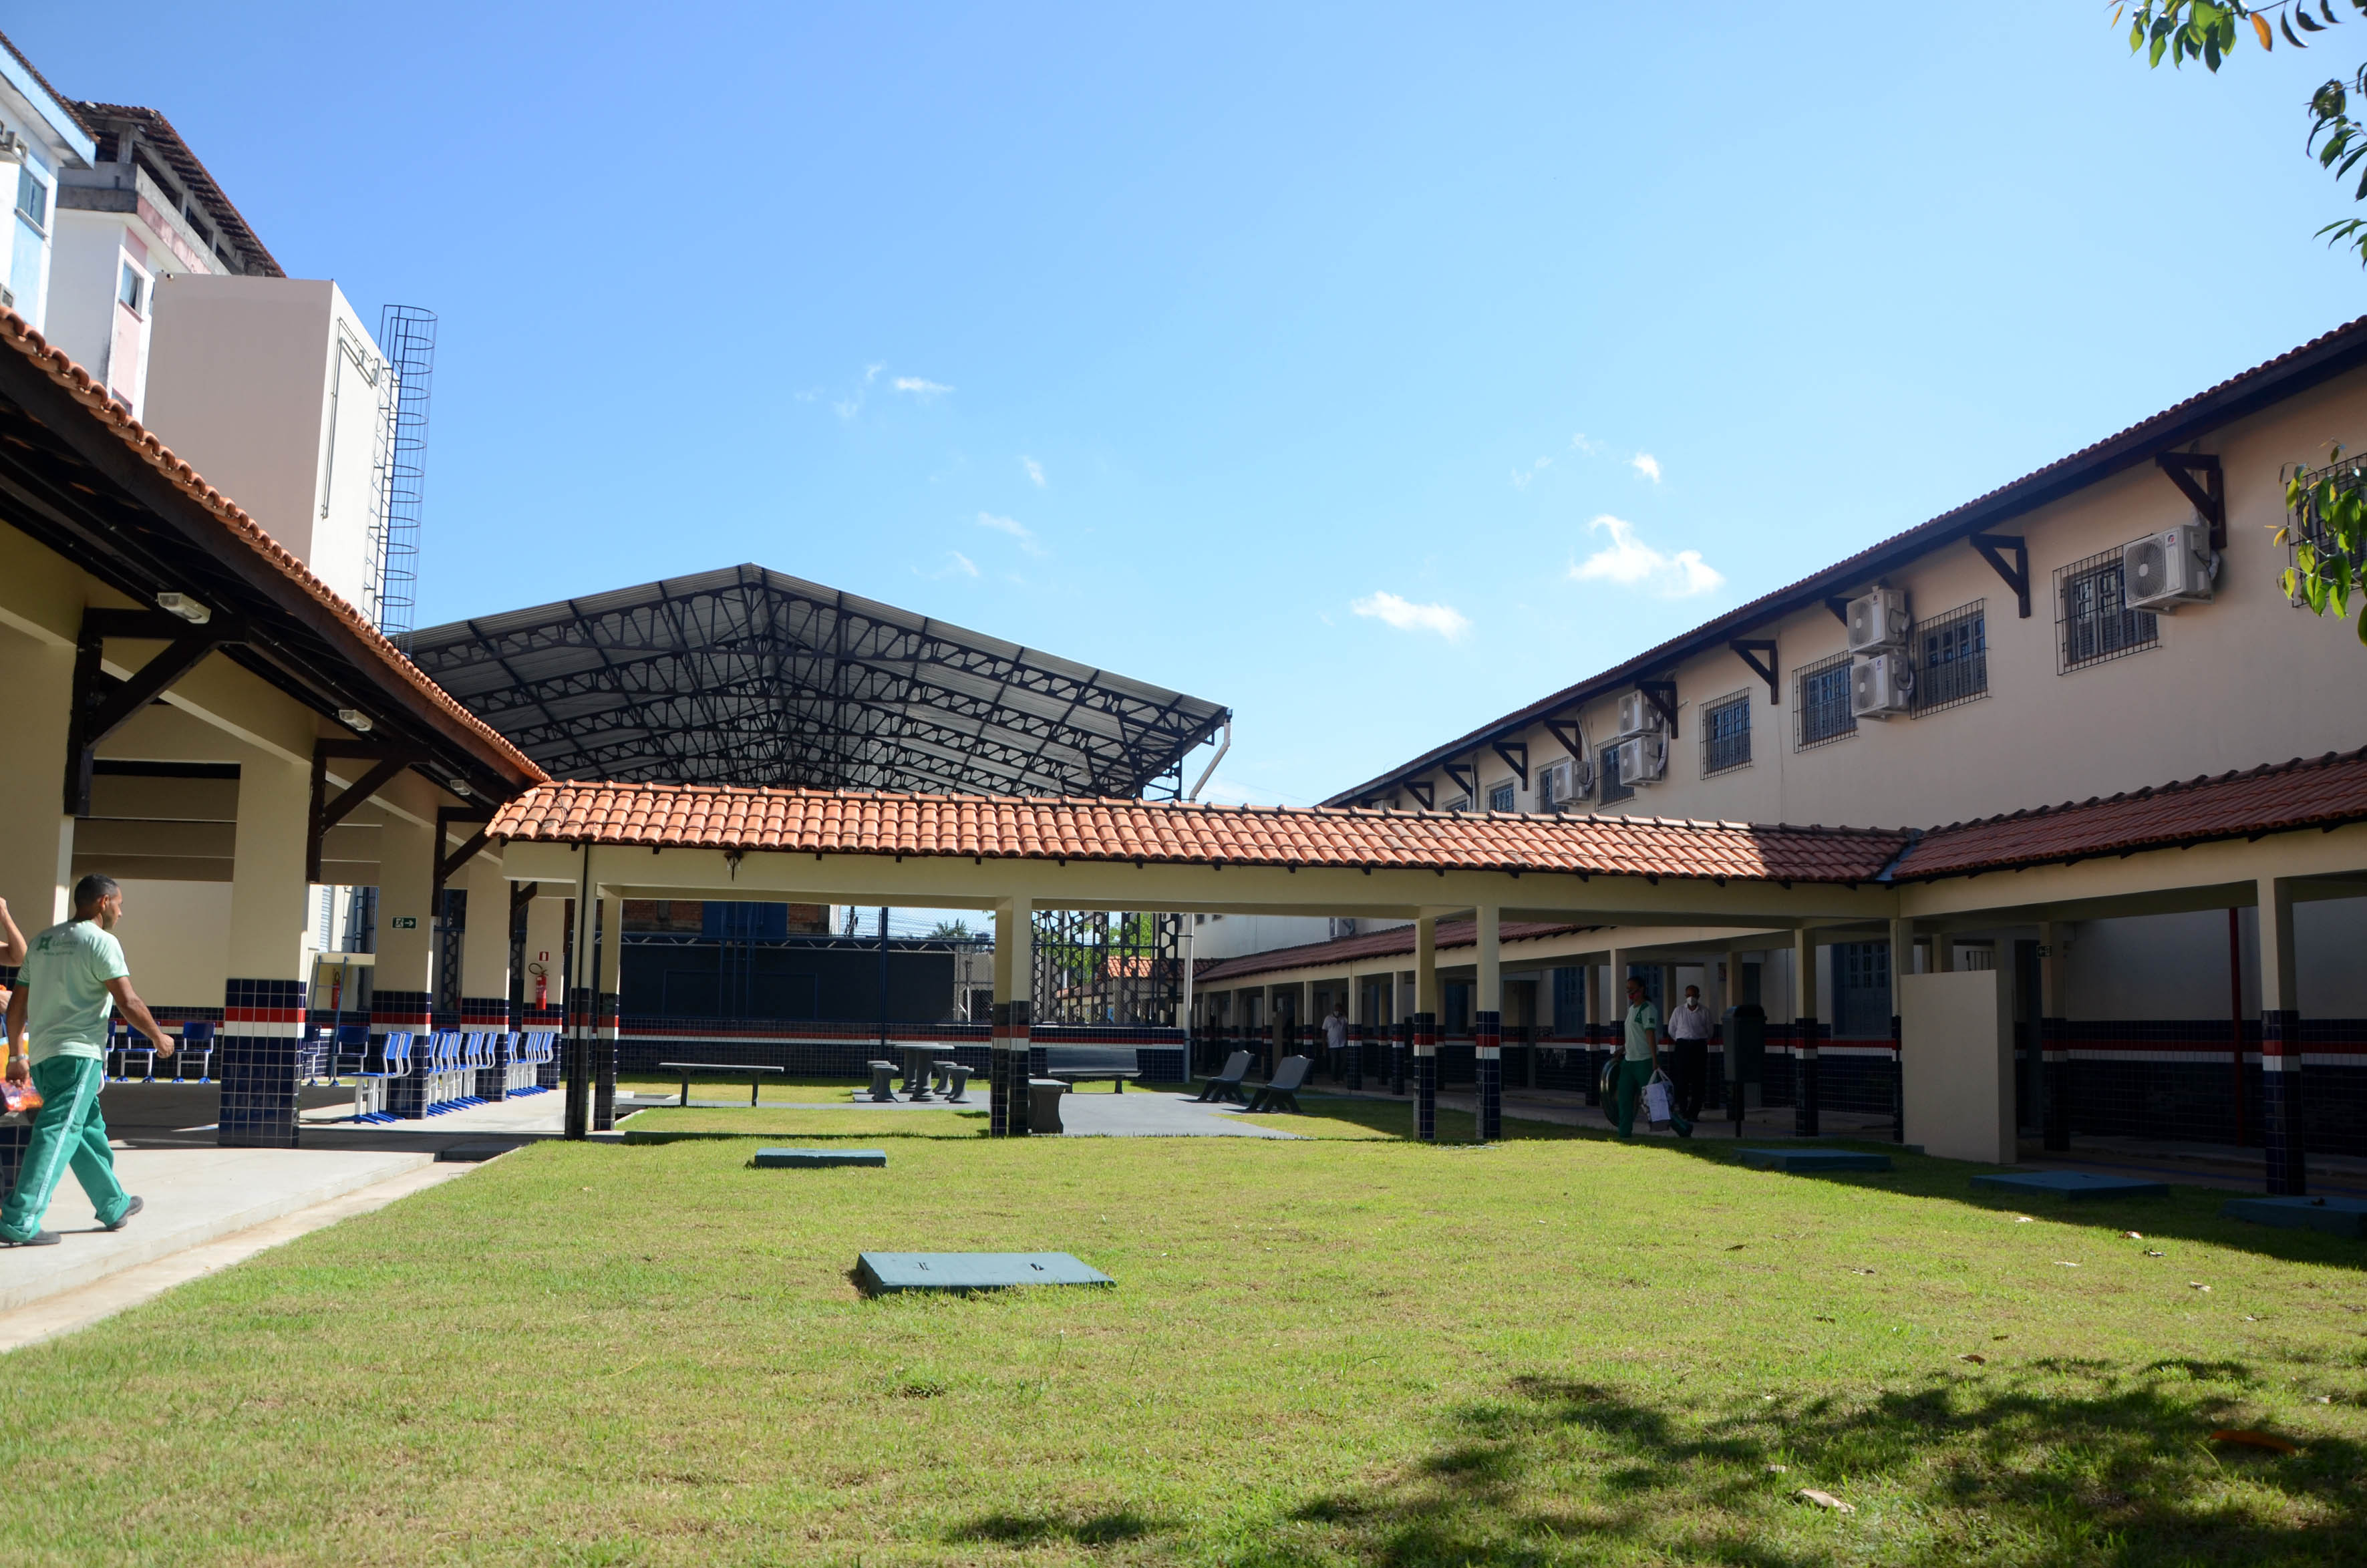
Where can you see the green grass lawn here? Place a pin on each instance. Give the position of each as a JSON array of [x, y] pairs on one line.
[[1336, 1350]]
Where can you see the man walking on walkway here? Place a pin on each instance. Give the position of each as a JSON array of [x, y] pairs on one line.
[[1335, 1041], [1689, 1053], [74, 977], [1636, 1067]]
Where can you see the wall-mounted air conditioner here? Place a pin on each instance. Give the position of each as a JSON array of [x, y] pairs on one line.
[[1880, 685], [1638, 716], [1877, 620], [2164, 570], [1643, 759]]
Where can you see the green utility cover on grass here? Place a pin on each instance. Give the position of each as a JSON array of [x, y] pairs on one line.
[[799, 1159], [882, 1273], [2335, 1216], [1814, 1160], [2073, 1185]]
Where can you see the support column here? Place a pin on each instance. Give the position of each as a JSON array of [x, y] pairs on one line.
[[2054, 1039], [485, 967], [1902, 961], [1612, 1006], [1014, 978], [1488, 1024], [581, 969], [1359, 1029], [1401, 1027], [2280, 1101], [1425, 1027], [263, 1000], [36, 849], [607, 1026], [1805, 1121], [398, 995], [544, 1009]]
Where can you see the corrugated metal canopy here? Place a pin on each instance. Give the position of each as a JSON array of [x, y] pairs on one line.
[[749, 677]]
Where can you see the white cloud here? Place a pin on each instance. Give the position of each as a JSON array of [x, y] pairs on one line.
[[1034, 471], [1406, 616], [1521, 477], [923, 390], [1630, 563], [959, 566], [1016, 529], [1645, 464], [1578, 443]]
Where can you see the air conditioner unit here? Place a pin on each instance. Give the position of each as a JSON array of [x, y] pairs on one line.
[[1643, 759], [1877, 620], [1638, 716], [2164, 570], [1880, 685]]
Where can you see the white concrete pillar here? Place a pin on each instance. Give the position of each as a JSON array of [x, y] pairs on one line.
[[406, 878], [36, 843], [2281, 1104], [485, 944], [263, 995], [1425, 964], [1487, 1021], [1805, 1100], [546, 943], [1014, 979]]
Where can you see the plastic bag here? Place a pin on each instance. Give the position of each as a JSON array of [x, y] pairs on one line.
[[16, 1097], [1660, 1108]]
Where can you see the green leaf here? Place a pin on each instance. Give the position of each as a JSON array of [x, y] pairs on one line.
[[2286, 27], [2326, 10], [2307, 25]]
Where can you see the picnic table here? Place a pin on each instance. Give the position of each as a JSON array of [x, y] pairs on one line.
[[755, 1074], [1095, 1076]]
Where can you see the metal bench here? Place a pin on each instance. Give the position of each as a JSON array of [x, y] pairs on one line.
[[685, 1069]]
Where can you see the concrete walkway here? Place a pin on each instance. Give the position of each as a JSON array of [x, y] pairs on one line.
[[1148, 1113], [193, 1195]]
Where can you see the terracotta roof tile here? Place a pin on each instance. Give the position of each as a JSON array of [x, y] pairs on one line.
[[1372, 944], [243, 530], [2326, 791], [724, 817]]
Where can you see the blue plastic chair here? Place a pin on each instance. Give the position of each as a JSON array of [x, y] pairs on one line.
[[369, 1085]]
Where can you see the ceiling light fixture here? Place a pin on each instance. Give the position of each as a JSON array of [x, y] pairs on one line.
[[353, 718], [187, 608]]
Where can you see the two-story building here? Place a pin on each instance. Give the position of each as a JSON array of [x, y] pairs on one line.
[[2113, 622]]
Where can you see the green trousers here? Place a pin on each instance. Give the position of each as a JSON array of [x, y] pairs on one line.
[[67, 1129], [1633, 1077]]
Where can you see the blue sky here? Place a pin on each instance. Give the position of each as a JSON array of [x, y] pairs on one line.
[[1371, 370]]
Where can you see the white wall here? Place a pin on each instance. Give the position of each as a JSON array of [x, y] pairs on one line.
[[175, 936]]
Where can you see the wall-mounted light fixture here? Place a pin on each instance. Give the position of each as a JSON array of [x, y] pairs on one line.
[[353, 718], [187, 608]]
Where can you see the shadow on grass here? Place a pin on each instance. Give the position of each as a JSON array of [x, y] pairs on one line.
[[1968, 1469], [1112, 1528]]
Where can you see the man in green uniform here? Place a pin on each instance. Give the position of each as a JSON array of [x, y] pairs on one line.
[[74, 977], [1635, 1065]]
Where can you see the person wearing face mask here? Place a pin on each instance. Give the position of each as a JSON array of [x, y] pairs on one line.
[[1689, 1052]]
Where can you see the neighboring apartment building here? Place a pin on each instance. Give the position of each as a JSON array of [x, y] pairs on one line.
[[143, 210], [43, 138], [2019, 652]]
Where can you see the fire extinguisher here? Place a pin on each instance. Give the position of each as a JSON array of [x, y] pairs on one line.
[[541, 984]]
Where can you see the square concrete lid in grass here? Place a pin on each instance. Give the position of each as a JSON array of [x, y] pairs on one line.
[[1814, 1160], [815, 1159], [2073, 1187], [2335, 1216], [886, 1273]]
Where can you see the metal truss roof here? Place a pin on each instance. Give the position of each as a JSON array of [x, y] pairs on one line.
[[748, 676]]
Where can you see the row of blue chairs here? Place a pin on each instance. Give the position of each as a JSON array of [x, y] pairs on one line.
[[128, 1049], [449, 1062]]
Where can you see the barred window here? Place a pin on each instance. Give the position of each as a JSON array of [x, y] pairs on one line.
[[1725, 734], [1606, 768], [1553, 786], [1956, 658], [2093, 622], [1500, 796], [1822, 702]]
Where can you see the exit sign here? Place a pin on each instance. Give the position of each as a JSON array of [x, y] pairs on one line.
[[405, 923]]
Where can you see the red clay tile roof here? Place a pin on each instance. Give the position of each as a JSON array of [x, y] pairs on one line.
[[1374, 945], [720, 817], [244, 531], [2326, 791], [2293, 371]]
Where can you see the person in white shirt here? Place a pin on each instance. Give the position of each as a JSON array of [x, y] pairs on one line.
[[1335, 1038], [1689, 1053]]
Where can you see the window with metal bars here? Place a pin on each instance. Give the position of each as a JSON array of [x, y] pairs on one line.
[[1606, 768], [1500, 796], [1821, 703], [1725, 734], [2092, 620], [1954, 658]]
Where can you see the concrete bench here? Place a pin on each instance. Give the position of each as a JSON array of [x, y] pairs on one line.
[[1044, 1105], [685, 1069], [1088, 1076]]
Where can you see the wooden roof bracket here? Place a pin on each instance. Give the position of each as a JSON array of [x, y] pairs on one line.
[[1662, 695], [1838, 605], [1993, 549], [1515, 753], [102, 705], [1750, 651], [448, 866], [2199, 478], [1565, 732], [1463, 774], [386, 762], [1424, 791]]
